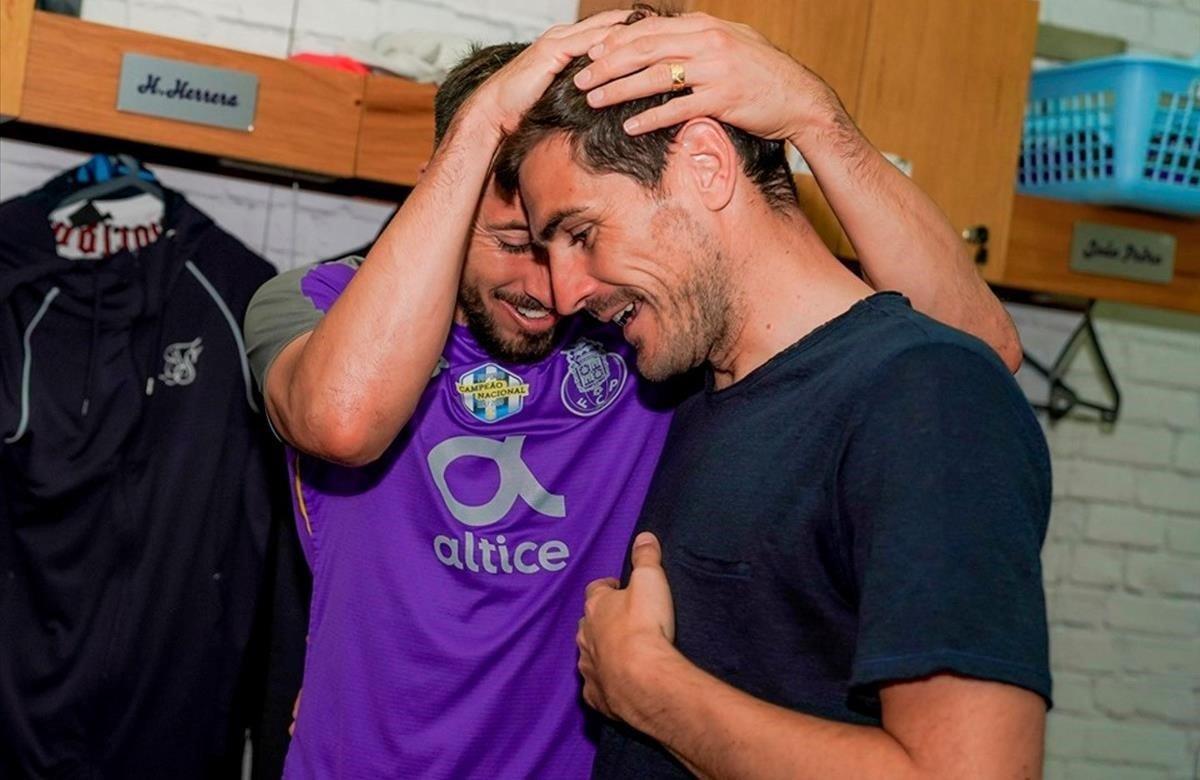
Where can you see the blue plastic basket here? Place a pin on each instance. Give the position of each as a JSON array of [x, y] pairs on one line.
[[1122, 131]]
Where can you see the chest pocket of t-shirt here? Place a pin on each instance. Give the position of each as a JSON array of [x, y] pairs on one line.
[[710, 599]]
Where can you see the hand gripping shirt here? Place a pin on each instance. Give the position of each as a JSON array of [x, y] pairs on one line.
[[449, 575]]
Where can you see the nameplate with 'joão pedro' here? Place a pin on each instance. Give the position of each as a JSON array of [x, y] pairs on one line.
[[1125, 253], [187, 92]]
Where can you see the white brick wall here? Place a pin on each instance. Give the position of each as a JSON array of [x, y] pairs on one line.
[[1122, 558]]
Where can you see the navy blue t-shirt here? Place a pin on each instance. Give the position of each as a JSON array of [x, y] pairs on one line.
[[869, 506]]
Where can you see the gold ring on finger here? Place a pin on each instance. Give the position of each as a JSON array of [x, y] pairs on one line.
[[678, 76]]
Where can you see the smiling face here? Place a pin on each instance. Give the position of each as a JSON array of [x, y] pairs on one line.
[[505, 297], [628, 254]]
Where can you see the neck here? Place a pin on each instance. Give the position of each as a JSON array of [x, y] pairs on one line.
[[785, 284]]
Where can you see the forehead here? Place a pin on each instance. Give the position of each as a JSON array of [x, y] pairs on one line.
[[552, 181], [497, 208]]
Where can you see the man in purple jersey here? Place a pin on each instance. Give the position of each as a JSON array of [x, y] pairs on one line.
[[464, 462]]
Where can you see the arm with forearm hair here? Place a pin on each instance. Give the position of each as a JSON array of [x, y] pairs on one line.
[[335, 391], [901, 237], [345, 389]]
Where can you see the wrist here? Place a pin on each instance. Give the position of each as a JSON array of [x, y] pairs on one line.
[[649, 666], [476, 121], [826, 126]]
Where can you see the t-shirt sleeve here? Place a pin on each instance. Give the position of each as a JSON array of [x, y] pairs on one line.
[[944, 487], [290, 305]]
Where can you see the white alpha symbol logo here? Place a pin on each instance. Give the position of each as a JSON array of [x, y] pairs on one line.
[[179, 363], [478, 554], [516, 480]]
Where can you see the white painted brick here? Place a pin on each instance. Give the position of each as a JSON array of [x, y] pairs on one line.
[[1126, 443], [1176, 409], [1110, 17], [1056, 562], [1155, 655], [1183, 536], [1167, 365], [350, 19], [172, 21], [1088, 770], [1174, 32], [1068, 519], [1148, 572], [1066, 735], [1153, 615], [1102, 481], [1136, 745], [1158, 698], [269, 40], [1093, 565], [1187, 452], [1079, 607], [1167, 490], [1073, 693], [114, 12], [1142, 324], [1124, 525], [1054, 768], [1081, 650]]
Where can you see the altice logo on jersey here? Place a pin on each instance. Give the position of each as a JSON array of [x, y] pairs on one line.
[[477, 553]]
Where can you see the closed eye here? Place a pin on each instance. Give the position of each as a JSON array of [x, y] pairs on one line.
[[514, 249], [580, 238]]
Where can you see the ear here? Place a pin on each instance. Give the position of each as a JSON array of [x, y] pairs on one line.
[[707, 161]]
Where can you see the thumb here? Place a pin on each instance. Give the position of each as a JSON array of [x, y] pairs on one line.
[[646, 551]]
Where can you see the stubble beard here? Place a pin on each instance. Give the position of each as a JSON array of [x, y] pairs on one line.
[[695, 315], [521, 348]]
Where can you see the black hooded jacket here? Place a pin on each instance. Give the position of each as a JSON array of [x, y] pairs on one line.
[[134, 498]]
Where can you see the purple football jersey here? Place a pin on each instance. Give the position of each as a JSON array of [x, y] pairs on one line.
[[449, 576]]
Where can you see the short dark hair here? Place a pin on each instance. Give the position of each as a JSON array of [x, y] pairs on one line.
[[600, 144], [464, 78]]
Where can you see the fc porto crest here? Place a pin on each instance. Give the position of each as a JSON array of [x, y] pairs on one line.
[[491, 394], [595, 377]]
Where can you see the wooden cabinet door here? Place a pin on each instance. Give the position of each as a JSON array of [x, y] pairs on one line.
[[944, 85], [16, 17]]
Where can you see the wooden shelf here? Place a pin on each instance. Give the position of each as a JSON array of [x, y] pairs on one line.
[[1039, 249], [396, 132], [61, 73]]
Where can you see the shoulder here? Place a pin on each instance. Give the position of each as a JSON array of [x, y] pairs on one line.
[[892, 346], [317, 285], [290, 305]]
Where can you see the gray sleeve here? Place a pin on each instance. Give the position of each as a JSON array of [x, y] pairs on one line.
[[290, 305]]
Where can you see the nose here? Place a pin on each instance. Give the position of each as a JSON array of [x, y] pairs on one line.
[[538, 284], [571, 282]]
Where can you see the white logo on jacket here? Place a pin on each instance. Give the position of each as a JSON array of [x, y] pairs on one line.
[[179, 362]]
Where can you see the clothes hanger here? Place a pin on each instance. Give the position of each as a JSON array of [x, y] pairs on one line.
[[1063, 398], [111, 174]]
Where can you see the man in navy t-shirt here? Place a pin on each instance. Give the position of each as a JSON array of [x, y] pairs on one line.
[[843, 573]]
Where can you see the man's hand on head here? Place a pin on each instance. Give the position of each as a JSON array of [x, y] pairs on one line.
[[622, 628], [735, 75], [507, 95]]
